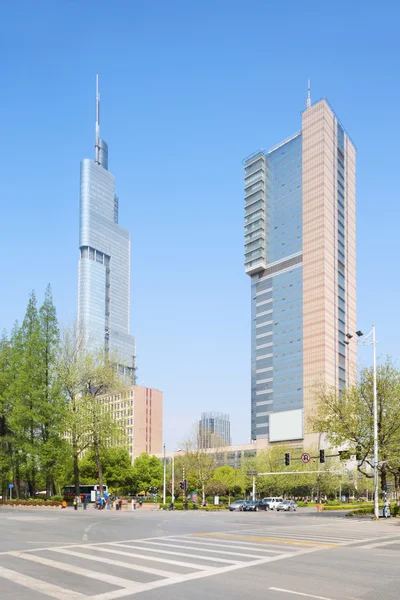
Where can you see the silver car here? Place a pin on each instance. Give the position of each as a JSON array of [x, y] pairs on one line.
[[238, 505], [287, 505]]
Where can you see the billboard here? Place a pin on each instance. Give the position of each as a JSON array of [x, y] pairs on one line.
[[286, 425]]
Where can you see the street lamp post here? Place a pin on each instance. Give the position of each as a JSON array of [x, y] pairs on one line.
[[376, 459], [373, 342]]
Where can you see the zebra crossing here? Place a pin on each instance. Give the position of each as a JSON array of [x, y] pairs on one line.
[[118, 569]]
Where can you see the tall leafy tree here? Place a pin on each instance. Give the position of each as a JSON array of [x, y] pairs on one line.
[[147, 473], [25, 388], [347, 419], [85, 377], [5, 410], [51, 403]]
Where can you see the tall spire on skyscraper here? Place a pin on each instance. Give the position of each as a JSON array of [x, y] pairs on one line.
[[309, 94], [97, 146]]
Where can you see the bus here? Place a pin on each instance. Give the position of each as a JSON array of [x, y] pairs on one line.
[[85, 492]]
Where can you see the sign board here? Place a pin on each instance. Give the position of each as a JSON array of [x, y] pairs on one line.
[[10, 486], [93, 496], [216, 500], [305, 458], [195, 497], [286, 425], [253, 472]]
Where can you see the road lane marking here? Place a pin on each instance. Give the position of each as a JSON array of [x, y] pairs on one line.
[[252, 538], [75, 570], [178, 563], [232, 544], [317, 538], [85, 535], [209, 558], [183, 578], [42, 587], [181, 545], [299, 593], [378, 544], [116, 563]]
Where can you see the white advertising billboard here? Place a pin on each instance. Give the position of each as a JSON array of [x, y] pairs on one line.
[[286, 425]]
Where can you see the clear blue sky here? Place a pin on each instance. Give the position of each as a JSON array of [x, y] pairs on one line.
[[188, 89]]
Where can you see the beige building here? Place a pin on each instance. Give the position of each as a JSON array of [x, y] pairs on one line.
[[139, 411], [300, 252]]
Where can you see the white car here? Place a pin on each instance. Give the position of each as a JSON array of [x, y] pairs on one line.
[[273, 502], [287, 505]]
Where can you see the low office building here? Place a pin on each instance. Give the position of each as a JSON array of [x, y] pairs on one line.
[[138, 411], [231, 456]]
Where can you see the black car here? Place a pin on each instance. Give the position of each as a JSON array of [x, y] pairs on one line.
[[254, 505]]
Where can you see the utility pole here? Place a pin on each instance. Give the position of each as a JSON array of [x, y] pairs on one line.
[[165, 479], [254, 488], [183, 479], [173, 480]]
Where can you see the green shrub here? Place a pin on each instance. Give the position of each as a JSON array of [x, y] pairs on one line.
[[55, 499], [31, 502], [212, 507]]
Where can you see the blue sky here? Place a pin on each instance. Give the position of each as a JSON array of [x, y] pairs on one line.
[[188, 89]]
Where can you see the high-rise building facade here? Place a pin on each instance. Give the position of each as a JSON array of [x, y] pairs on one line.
[[104, 264], [139, 412], [214, 430], [300, 252]]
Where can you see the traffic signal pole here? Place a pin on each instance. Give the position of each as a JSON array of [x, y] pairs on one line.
[[183, 479]]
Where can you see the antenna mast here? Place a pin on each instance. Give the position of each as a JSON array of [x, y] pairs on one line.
[[97, 120], [309, 94]]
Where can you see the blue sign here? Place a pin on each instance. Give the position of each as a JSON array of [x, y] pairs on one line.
[[10, 486]]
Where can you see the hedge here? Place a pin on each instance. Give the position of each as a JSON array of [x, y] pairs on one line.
[[31, 502], [394, 511]]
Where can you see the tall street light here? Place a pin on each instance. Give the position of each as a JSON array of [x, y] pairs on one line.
[[370, 340]]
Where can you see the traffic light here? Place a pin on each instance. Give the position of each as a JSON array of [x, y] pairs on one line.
[[287, 459], [322, 456], [182, 485], [153, 490]]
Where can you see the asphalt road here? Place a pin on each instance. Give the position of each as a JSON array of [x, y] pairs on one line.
[[107, 555]]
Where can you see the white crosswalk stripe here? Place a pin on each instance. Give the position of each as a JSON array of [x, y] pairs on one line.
[[129, 567]]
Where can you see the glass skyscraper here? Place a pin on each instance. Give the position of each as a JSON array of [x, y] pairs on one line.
[[300, 254], [214, 430], [104, 264]]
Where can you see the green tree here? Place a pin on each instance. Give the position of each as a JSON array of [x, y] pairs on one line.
[[84, 377], [25, 419], [225, 480], [199, 463], [5, 411], [147, 472], [51, 403], [347, 419], [117, 466]]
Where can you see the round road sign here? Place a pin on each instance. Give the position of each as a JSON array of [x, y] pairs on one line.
[[305, 457]]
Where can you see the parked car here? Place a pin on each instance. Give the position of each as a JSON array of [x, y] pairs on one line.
[[273, 502], [251, 506], [287, 505], [237, 505]]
